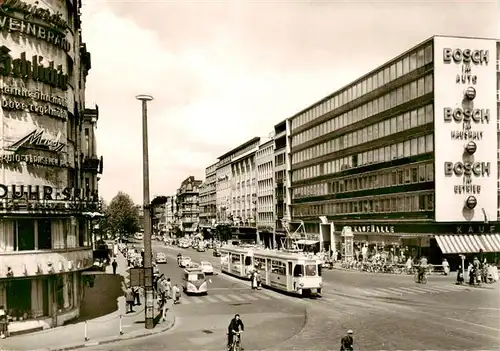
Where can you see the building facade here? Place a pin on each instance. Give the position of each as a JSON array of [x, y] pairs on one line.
[[244, 184], [188, 205], [208, 200], [49, 163], [264, 160], [405, 155], [282, 174], [171, 214], [223, 190]]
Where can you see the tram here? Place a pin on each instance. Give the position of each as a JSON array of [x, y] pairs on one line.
[[237, 261], [294, 273]]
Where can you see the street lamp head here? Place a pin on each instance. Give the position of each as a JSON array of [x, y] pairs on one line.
[[144, 97]]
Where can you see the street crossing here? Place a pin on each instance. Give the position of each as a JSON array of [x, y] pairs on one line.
[[228, 298], [415, 290]]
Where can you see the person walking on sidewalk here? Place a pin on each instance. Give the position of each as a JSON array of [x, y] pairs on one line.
[[114, 265], [4, 323], [137, 296], [129, 299]]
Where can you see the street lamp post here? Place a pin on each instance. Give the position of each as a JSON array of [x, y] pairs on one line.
[[148, 283]]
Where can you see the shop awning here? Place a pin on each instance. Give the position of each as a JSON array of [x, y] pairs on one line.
[[307, 242], [463, 244]]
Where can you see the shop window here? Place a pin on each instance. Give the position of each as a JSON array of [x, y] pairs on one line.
[[44, 234], [18, 296], [24, 238]]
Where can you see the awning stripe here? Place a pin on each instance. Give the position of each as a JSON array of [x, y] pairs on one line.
[[455, 244]]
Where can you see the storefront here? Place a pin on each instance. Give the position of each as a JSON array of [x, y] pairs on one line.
[[435, 240]]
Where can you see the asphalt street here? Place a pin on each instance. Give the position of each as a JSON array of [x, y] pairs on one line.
[[386, 311]]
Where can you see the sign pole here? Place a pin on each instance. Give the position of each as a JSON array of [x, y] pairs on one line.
[[148, 284]]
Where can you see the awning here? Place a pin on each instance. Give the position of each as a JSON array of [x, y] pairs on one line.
[[455, 244], [307, 242]]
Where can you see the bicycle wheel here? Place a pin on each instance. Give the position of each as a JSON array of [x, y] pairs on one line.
[[424, 279], [415, 277]]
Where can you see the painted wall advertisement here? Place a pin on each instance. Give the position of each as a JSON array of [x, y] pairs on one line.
[[465, 118]]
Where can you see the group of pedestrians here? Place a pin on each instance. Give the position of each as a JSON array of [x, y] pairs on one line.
[[165, 292]]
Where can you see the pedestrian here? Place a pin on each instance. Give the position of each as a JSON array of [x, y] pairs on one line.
[[114, 265], [4, 323], [168, 288], [254, 280], [346, 343], [176, 294], [460, 276], [129, 299], [137, 296]]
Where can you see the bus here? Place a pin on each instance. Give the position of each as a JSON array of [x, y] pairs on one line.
[[237, 261], [194, 281], [294, 273]]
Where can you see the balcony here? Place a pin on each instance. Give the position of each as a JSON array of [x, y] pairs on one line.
[[39, 263], [92, 164]]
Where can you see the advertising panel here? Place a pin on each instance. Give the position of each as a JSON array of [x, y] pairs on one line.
[[465, 120], [36, 55]]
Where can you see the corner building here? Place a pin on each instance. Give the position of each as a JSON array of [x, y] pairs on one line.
[[405, 156], [48, 163]]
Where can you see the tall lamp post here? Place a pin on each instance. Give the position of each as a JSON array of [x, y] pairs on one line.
[[148, 270]]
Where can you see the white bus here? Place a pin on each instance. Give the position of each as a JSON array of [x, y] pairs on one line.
[[295, 273], [237, 261]]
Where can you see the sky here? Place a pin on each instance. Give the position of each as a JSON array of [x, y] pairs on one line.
[[223, 72]]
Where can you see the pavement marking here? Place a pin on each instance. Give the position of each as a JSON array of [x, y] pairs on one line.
[[211, 299], [264, 297], [373, 292], [220, 289], [223, 298], [444, 288], [197, 300], [431, 290], [420, 290], [236, 297], [395, 290], [407, 290], [251, 297]]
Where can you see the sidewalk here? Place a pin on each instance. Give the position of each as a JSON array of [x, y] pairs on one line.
[[105, 299]]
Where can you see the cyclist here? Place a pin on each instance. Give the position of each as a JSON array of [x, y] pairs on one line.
[[422, 268], [235, 326]]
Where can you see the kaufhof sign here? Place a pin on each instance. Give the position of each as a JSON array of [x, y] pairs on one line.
[[465, 123]]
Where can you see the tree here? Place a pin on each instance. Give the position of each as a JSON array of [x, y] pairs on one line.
[[122, 215]]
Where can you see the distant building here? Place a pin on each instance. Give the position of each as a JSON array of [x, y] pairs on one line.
[[171, 214], [264, 160], [208, 200], [188, 205]]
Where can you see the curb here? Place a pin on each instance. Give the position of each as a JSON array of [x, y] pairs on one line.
[[169, 325]]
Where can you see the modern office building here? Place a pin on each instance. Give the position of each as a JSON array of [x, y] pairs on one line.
[[282, 178], [208, 201], [188, 205], [407, 154], [49, 163], [264, 160]]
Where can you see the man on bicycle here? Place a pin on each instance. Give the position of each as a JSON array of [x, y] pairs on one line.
[[422, 268], [235, 326]]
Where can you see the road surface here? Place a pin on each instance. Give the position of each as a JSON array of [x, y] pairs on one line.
[[385, 311]]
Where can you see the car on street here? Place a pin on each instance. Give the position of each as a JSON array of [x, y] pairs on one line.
[[216, 252], [160, 258], [184, 261], [207, 267]]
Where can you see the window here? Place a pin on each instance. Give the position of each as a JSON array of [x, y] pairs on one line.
[[311, 270], [44, 234], [298, 271], [87, 142], [429, 169], [18, 296], [428, 54], [24, 235]]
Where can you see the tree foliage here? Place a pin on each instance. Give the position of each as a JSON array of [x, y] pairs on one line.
[[122, 215]]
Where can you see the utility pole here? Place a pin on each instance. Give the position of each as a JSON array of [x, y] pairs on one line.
[[148, 269]]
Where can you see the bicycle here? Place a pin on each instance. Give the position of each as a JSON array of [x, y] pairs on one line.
[[236, 345], [420, 280]]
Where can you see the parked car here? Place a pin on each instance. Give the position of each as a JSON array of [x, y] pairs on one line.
[[216, 252], [160, 258], [184, 261], [207, 267]]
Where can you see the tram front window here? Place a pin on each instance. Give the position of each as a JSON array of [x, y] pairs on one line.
[[311, 270], [298, 271]]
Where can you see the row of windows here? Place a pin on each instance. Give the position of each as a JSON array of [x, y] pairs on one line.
[[396, 124], [409, 202], [396, 97], [412, 147], [403, 66], [411, 174]]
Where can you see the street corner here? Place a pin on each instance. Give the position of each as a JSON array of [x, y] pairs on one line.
[[160, 327]]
